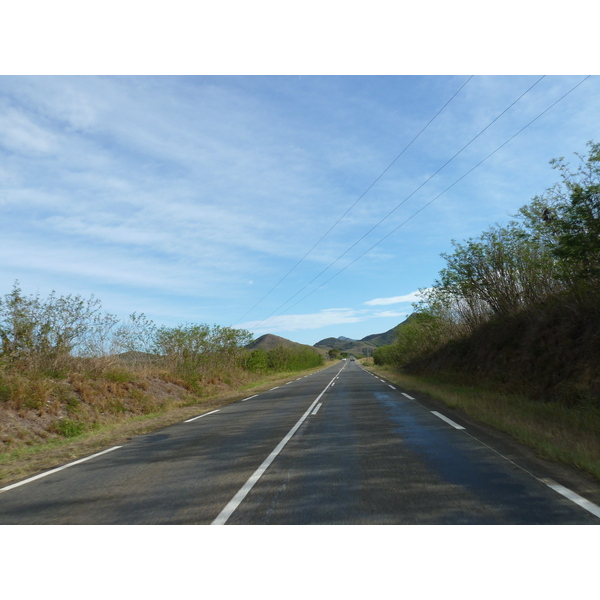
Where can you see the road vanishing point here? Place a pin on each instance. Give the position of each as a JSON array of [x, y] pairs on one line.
[[340, 446]]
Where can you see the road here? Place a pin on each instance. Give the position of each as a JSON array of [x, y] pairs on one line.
[[340, 446]]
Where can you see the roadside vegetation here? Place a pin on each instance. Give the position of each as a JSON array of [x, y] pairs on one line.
[[515, 314], [68, 369]]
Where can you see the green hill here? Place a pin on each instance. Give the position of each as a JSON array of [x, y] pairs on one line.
[[269, 341], [358, 347]]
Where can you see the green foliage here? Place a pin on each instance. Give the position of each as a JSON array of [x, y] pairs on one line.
[[41, 333], [117, 376], [283, 358], [554, 246], [69, 428], [501, 271], [576, 221], [384, 355], [73, 405], [257, 361], [566, 218], [200, 349], [421, 334], [552, 250]]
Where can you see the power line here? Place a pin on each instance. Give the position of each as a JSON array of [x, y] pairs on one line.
[[356, 201], [405, 199], [436, 197]]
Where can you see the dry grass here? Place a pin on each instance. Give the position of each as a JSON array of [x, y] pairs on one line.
[[84, 414], [570, 435]]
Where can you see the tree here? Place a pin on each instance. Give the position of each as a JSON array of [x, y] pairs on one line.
[[566, 218], [39, 332], [136, 335], [578, 220], [198, 348]]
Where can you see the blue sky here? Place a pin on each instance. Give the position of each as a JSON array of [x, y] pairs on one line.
[[189, 198]]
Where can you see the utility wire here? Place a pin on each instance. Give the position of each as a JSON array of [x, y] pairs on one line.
[[405, 199], [440, 194], [356, 201]]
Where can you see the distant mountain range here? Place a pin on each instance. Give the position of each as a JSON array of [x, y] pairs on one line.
[[342, 343], [358, 347]]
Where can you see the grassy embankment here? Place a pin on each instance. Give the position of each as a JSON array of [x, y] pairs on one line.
[[53, 418]]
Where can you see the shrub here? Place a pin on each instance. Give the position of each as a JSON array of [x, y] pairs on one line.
[[384, 355], [43, 333], [284, 358], [68, 428], [257, 361]]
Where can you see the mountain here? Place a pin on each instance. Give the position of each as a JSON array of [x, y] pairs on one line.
[[382, 339], [357, 347], [342, 343], [332, 342], [269, 341]]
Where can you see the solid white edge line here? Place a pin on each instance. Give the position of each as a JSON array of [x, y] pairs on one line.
[[314, 412], [573, 497], [248, 398], [204, 415], [243, 492], [563, 491], [449, 421], [14, 485]]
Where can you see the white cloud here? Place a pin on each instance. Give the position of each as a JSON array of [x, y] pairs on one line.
[[187, 188], [324, 318], [20, 134], [412, 297]]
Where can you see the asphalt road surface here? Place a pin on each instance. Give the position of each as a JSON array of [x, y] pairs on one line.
[[340, 446]]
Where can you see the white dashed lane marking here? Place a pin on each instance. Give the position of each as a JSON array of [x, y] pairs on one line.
[[204, 415], [449, 421]]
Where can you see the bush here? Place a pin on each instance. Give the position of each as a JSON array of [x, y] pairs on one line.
[[282, 359], [43, 333], [68, 428], [384, 355], [257, 361], [193, 349]]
